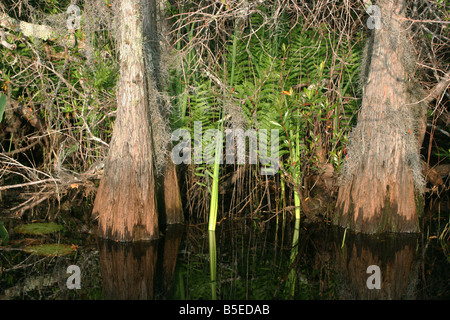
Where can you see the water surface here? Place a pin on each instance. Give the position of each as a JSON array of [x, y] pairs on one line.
[[243, 259]]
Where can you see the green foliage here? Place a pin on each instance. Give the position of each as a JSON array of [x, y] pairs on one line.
[[70, 89], [443, 153], [2, 106], [276, 79]]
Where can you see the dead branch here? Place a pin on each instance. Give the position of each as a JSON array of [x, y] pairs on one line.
[[65, 81], [21, 150], [26, 184], [438, 89], [55, 187], [20, 209], [42, 32], [5, 43]]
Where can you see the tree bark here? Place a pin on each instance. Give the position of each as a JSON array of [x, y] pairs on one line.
[[382, 181], [172, 197], [169, 196], [126, 199]]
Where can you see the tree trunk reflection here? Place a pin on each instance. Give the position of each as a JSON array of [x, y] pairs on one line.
[[128, 269], [395, 255]]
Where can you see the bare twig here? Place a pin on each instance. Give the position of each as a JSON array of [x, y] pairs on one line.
[[65, 81], [32, 183], [5, 43], [21, 150]]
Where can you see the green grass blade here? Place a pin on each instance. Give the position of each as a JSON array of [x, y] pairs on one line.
[[4, 235], [2, 106]]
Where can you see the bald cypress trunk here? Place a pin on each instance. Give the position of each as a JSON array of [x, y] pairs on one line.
[[173, 206], [126, 199], [382, 177], [169, 197]]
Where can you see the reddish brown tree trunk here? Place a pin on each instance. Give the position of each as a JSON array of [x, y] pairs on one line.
[[382, 177], [172, 196], [126, 203], [169, 197]]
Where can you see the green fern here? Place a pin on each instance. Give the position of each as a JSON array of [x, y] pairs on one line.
[[268, 70]]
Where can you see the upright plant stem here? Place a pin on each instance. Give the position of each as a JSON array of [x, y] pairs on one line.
[[215, 189], [294, 251], [297, 174], [213, 263], [296, 158]]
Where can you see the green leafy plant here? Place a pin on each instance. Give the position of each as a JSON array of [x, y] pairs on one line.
[[2, 106], [271, 79]]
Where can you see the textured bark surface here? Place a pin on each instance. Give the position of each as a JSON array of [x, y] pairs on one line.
[[169, 197], [126, 203], [383, 172], [172, 196]]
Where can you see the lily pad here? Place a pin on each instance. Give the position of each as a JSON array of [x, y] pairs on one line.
[[38, 228], [55, 249]]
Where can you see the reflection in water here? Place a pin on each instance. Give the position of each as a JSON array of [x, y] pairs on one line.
[[213, 262], [395, 255], [128, 270], [246, 263], [242, 259], [168, 253], [247, 260]]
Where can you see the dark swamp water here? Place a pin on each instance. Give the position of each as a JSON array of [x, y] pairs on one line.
[[244, 259]]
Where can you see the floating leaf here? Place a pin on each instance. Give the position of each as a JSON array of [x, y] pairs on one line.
[[39, 228], [56, 249]]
